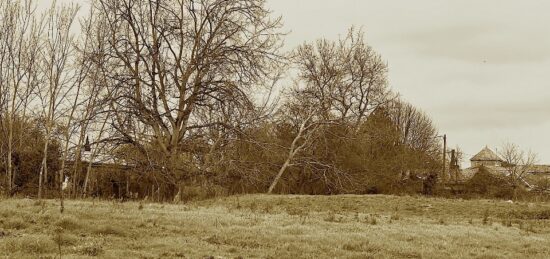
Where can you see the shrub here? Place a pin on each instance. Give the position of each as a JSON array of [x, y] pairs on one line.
[[27, 154], [488, 185]]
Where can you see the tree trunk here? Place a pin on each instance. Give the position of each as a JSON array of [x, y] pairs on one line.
[[10, 173], [279, 175], [43, 168], [77, 162], [294, 149], [62, 196], [127, 185], [11, 120], [60, 181], [85, 188]]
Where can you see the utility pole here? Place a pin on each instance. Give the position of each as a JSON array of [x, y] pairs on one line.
[[444, 155], [454, 168]]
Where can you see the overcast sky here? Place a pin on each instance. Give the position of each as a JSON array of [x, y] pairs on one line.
[[479, 68]]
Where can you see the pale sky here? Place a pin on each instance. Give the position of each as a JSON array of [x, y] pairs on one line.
[[479, 68]]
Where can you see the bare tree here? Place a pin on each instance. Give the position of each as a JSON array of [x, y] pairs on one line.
[[86, 88], [337, 83], [20, 32], [60, 80], [93, 106], [170, 60], [518, 164], [348, 79], [417, 136], [417, 129]]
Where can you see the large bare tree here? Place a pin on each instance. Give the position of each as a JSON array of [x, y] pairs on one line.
[[346, 79], [339, 82], [172, 61], [417, 135]]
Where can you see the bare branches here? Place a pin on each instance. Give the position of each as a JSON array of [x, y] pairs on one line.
[[61, 80], [338, 83], [416, 128], [187, 90], [345, 79], [517, 163], [20, 32], [174, 60]]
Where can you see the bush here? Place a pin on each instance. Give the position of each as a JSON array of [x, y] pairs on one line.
[[488, 185], [28, 144]]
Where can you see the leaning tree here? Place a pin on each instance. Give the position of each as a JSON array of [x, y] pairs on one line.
[[337, 83]]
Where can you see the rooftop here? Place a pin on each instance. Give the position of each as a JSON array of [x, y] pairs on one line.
[[486, 155]]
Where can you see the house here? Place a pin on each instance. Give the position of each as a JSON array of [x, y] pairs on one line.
[[486, 157], [535, 177]]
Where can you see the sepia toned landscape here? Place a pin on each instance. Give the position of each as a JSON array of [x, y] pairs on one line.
[[274, 129], [260, 226]]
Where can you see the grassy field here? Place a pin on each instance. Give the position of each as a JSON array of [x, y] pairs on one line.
[[259, 226]]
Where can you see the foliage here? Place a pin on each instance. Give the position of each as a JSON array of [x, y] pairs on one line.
[[169, 93], [28, 153], [486, 184]]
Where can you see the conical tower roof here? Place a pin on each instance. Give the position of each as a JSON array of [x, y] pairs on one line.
[[486, 155]]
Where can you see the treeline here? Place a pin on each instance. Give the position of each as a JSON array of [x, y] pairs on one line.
[[171, 96]]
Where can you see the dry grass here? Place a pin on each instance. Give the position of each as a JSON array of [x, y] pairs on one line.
[[259, 226]]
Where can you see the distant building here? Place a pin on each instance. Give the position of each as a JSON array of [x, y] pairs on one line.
[[486, 157], [497, 166]]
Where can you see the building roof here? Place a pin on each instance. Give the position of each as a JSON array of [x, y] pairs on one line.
[[540, 169], [486, 155]]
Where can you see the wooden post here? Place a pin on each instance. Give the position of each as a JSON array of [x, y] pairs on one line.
[[454, 166], [444, 174], [127, 184]]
